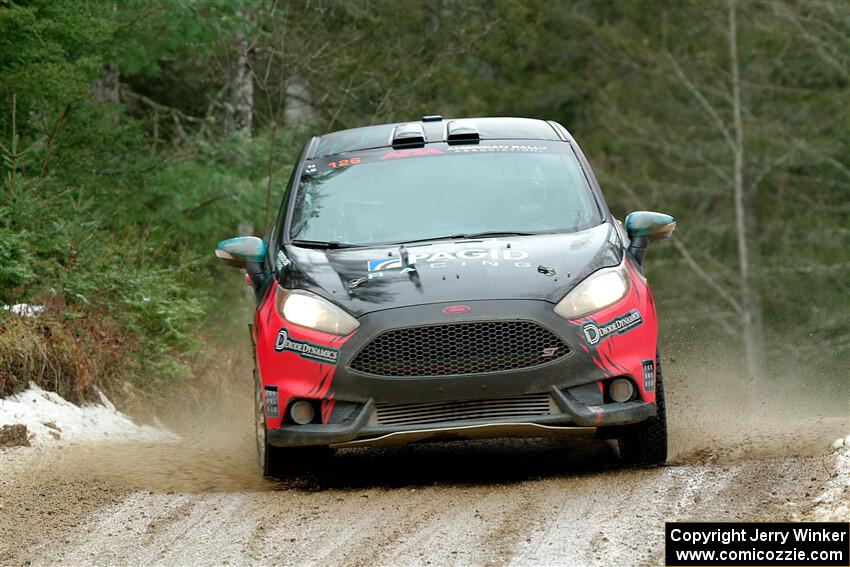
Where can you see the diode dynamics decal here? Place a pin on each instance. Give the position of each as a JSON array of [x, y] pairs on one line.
[[594, 333], [304, 349]]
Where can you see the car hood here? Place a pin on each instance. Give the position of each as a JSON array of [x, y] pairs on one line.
[[362, 280]]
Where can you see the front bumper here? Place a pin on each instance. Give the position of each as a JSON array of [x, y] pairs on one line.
[[351, 400], [360, 424]]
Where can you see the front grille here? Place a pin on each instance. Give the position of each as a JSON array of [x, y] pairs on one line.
[[529, 405], [459, 348]]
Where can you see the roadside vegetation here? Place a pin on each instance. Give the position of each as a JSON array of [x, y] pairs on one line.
[[135, 134]]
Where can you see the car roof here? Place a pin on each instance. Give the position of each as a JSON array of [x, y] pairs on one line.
[[435, 130]]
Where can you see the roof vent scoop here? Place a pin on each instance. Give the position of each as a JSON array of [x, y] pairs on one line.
[[462, 132], [406, 135]]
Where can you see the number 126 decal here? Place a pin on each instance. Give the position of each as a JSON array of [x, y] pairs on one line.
[[344, 163]]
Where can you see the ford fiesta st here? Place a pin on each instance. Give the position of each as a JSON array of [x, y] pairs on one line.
[[451, 279]]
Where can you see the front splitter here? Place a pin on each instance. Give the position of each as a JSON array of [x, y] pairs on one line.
[[463, 432]]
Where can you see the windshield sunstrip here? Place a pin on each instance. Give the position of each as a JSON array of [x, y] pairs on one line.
[[341, 161]]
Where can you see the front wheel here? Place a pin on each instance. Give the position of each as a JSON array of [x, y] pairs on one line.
[[645, 443], [282, 462], [267, 455]]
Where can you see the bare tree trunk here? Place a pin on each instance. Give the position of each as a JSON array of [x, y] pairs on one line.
[[745, 220], [297, 108], [242, 93], [105, 87]]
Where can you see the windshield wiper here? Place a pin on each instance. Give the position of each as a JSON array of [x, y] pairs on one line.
[[320, 244], [492, 234], [333, 245], [472, 236]]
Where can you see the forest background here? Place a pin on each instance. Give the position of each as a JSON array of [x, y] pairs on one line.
[[135, 134]]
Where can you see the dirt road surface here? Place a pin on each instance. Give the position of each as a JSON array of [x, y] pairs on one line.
[[520, 502]]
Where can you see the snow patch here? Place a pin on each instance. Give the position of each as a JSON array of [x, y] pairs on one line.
[[25, 309], [49, 417], [833, 503]]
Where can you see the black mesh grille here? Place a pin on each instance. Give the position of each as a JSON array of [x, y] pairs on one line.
[[459, 348]]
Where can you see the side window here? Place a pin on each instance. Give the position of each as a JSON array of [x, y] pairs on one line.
[[271, 250], [275, 237]]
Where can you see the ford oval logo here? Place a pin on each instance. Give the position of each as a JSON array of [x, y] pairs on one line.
[[456, 309]]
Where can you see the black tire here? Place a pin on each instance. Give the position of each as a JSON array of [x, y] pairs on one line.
[[267, 455], [645, 443], [282, 462]]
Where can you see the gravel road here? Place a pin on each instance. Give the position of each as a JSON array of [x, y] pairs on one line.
[[520, 502]]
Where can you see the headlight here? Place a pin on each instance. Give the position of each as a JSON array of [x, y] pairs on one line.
[[309, 310], [600, 289]]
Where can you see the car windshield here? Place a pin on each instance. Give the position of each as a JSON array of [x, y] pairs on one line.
[[395, 196]]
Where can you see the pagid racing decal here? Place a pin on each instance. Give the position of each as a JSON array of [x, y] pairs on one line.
[[439, 258]]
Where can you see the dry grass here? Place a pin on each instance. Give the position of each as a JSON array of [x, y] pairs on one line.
[[77, 356], [69, 357]]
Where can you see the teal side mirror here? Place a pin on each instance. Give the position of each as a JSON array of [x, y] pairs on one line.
[[241, 252], [644, 227]]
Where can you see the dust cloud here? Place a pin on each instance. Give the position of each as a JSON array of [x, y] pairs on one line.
[[216, 450], [721, 427], [714, 415]]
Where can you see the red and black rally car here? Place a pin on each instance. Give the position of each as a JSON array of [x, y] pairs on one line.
[[451, 279]]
